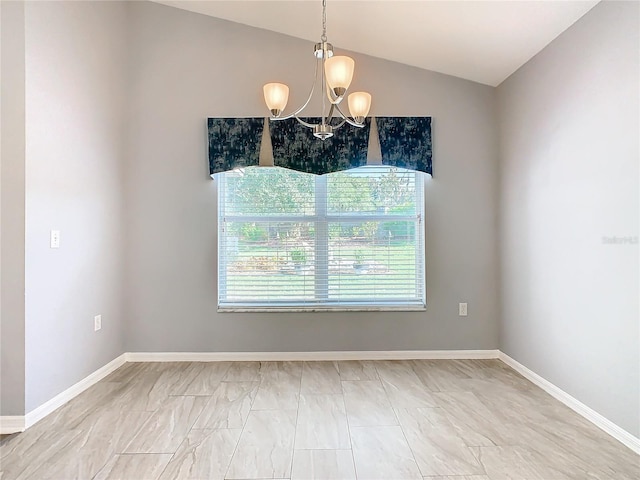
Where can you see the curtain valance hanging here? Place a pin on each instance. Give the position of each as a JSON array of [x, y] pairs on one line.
[[243, 142]]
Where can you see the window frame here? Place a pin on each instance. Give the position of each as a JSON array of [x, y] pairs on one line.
[[321, 220]]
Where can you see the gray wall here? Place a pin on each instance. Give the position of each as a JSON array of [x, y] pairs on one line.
[[186, 67], [569, 177], [75, 77], [12, 213]]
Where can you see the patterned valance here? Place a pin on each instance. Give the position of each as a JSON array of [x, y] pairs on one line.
[[242, 142]]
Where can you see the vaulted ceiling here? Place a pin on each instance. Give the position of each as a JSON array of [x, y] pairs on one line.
[[483, 41]]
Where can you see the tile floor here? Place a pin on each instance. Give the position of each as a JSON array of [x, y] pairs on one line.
[[422, 419]]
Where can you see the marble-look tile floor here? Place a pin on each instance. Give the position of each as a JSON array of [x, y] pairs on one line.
[[420, 419]]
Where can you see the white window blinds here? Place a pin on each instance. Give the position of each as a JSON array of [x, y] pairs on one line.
[[347, 240]]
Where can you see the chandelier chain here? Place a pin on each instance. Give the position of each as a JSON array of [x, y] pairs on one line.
[[324, 21]]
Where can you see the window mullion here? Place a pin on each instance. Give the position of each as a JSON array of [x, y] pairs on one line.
[[321, 241]]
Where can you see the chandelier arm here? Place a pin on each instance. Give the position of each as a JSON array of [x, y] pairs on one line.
[[323, 82], [330, 114], [306, 124], [313, 87], [333, 98], [348, 120]]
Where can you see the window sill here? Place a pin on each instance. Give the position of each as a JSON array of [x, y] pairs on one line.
[[318, 309]]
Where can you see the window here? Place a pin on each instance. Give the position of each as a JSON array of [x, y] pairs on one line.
[[347, 240]]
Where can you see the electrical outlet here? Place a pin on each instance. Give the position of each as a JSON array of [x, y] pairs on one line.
[[97, 322], [54, 239], [462, 309]]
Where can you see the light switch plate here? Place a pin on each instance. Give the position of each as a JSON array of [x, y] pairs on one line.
[[462, 309], [97, 322]]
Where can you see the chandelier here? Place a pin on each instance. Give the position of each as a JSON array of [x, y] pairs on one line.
[[336, 73]]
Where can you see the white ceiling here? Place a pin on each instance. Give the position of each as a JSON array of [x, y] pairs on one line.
[[483, 41]]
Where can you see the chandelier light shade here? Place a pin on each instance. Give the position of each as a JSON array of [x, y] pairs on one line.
[[339, 73], [336, 74], [359, 105], [276, 96]]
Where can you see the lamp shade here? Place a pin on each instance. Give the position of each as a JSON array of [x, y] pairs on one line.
[[276, 96], [339, 73], [359, 105]]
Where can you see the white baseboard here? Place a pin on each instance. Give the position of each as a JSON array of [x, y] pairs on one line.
[[574, 404], [73, 391], [11, 424], [309, 356]]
